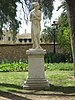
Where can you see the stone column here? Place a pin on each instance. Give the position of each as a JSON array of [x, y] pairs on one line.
[[36, 75]]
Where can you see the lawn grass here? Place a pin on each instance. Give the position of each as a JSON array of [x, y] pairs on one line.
[[60, 78], [14, 80], [61, 81]]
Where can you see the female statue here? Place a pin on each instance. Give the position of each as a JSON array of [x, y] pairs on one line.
[[35, 18]]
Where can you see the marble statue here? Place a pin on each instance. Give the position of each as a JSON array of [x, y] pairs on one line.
[[35, 18], [36, 75]]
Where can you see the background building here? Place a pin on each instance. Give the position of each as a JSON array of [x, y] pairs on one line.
[[7, 38], [23, 38]]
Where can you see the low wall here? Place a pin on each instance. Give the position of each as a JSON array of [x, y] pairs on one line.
[[18, 51]]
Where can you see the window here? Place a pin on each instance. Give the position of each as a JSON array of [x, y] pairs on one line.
[[25, 40], [30, 40], [0, 38], [9, 38], [20, 40]]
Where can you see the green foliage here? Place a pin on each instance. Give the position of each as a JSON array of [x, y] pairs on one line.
[[64, 39], [47, 35], [58, 66], [58, 57], [14, 66], [63, 5], [8, 14], [47, 6], [63, 33], [21, 66]]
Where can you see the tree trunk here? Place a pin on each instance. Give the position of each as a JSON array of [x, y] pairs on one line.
[[71, 16]]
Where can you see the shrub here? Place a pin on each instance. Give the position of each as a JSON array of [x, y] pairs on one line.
[[58, 66], [57, 58], [14, 66]]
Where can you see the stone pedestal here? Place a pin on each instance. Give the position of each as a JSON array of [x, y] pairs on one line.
[[36, 76]]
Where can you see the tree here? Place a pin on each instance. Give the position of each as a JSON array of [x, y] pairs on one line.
[[7, 15], [71, 17], [63, 33], [47, 35], [8, 12], [63, 5]]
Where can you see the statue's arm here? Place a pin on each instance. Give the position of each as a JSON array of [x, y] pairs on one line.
[[31, 15], [38, 16]]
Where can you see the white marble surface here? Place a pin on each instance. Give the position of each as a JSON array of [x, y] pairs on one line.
[[36, 75], [35, 51]]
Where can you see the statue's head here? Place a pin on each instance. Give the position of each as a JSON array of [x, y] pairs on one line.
[[35, 5]]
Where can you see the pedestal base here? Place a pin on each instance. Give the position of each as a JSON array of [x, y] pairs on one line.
[[36, 84], [36, 76]]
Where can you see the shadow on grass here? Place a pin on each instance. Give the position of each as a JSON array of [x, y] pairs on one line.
[[11, 85], [11, 96], [52, 91], [67, 89]]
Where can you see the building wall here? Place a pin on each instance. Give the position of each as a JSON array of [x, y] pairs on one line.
[[18, 51]]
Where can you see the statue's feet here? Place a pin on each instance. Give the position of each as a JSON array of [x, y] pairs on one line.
[[38, 47]]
